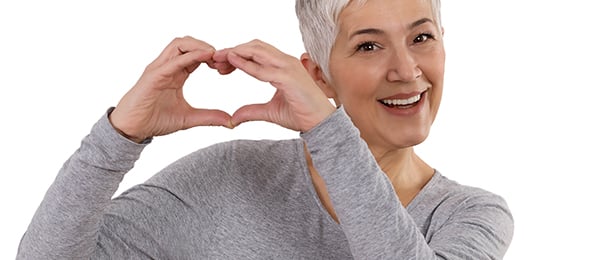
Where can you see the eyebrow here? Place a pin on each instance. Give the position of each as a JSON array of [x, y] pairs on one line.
[[379, 31], [419, 22]]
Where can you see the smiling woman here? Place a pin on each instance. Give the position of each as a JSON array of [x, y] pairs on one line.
[[352, 185], [307, 197]]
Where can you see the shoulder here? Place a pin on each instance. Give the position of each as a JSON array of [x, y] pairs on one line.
[[225, 169], [444, 201], [447, 210], [455, 204], [465, 196], [226, 161], [454, 198], [246, 151]]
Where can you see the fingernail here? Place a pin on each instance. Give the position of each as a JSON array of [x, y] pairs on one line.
[[230, 125]]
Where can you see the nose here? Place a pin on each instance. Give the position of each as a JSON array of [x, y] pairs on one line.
[[403, 66]]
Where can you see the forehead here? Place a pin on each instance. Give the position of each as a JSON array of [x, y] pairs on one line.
[[383, 14]]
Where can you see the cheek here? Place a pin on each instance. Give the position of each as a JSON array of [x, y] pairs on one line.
[[433, 66], [355, 83], [435, 73]]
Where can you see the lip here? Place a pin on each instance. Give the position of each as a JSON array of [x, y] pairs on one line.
[[405, 95], [413, 110]]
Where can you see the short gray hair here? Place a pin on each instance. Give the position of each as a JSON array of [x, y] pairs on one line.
[[318, 26]]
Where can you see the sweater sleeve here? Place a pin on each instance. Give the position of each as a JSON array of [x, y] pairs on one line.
[[67, 222], [376, 224]]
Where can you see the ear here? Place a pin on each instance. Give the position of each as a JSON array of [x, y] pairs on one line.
[[317, 74]]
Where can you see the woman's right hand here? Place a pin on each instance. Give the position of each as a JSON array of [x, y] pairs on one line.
[[155, 105]]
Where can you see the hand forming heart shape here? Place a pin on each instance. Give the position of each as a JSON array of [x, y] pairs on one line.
[[155, 105]]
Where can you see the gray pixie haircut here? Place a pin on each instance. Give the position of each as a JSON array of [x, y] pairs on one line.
[[318, 25]]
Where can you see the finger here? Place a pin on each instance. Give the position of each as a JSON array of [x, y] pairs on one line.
[[223, 68], [255, 51], [254, 112], [187, 62], [183, 45], [259, 60], [207, 117], [220, 62], [192, 68], [221, 55], [261, 53], [249, 66]]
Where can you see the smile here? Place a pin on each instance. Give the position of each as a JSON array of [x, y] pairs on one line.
[[402, 103]]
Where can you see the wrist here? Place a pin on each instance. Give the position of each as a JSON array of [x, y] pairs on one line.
[[132, 138], [324, 114]]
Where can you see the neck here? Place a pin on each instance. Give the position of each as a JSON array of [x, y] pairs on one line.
[[405, 170]]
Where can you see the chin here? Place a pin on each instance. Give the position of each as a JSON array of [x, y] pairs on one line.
[[408, 139], [412, 142]]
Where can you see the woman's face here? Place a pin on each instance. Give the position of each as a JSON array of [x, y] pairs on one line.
[[387, 68]]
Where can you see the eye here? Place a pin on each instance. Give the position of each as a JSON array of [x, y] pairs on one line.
[[423, 37], [367, 47]]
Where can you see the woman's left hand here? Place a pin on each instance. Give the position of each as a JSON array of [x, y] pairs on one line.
[[298, 103]]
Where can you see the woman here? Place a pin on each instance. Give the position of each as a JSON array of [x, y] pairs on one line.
[[350, 187]]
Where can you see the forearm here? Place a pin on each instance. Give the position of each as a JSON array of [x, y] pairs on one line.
[[475, 225], [374, 220], [66, 223]]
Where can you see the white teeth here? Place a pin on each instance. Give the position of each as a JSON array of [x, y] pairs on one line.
[[402, 102]]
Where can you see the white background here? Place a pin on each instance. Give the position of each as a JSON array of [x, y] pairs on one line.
[[519, 116]]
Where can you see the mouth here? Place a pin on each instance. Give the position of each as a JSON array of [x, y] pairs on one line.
[[402, 103]]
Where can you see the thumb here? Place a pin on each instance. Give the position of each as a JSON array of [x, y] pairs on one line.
[[207, 117], [253, 112]]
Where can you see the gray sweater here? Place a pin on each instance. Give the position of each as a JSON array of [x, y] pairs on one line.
[[255, 200]]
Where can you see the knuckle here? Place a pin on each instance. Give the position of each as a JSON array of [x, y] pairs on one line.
[[180, 39], [256, 42], [175, 41], [150, 67]]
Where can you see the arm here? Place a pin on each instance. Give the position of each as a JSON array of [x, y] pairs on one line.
[[373, 219], [66, 223]]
